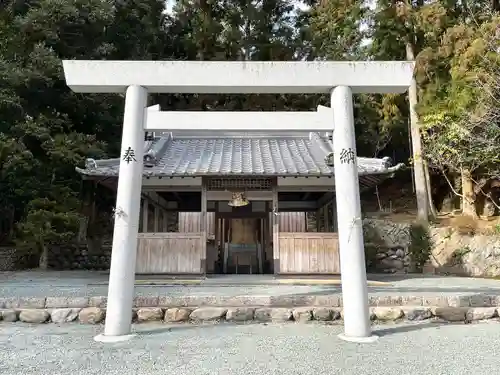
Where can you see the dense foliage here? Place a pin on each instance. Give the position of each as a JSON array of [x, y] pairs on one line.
[[46, 130]]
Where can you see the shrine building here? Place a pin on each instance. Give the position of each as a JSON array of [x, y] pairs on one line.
[[238, 203]]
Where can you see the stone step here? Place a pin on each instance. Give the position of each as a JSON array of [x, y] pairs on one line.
[[289, 301]]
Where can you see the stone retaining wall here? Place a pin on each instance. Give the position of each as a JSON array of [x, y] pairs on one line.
[[392, 241], [452, 252], [92, 310], [96, 315], [8, 259], [12, 260], [463, 254], [78, 257]]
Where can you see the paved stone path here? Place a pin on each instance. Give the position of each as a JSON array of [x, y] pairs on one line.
[[86, 283], [271, 349]]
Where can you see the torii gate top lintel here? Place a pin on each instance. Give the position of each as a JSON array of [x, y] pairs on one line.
[[236, 77]]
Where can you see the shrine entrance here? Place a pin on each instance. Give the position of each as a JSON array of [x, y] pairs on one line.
[[242, 241]]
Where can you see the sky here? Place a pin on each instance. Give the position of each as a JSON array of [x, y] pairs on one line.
[[170, 4]]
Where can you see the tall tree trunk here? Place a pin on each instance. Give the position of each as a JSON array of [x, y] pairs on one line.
[[428, 186], [43, 261], [457, 185], [418, 163], [468, 195]]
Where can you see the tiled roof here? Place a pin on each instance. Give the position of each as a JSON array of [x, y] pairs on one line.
[[265, 155]]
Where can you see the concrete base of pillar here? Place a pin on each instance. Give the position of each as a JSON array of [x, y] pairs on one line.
[[358, 340], [113, 339]]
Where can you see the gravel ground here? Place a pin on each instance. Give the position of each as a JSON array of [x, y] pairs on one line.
[[78, 284], [288, 349]]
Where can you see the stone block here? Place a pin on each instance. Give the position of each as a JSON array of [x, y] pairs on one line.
[[249, 301], [56, 302], [165, 301], [450, 314], [226, 301], [32, 303], [480, 300], [146, 301], [293, 300], [481, 313], [10, 316], [387, 313], [437, 301], [411, 301], [99, 301], [276, 314], [459, 301], [385, 301], [240, 314], [78, 302], [187, 301], [328, 300], [302, 314], [10, 303], [199, 301], [495, 301], [323, 314], [336, 314], [176, 314], [208, 313], [417, 313], [149, 314], [64, 315], [34, 316], [281, 314], [263, 314], [91, 315], [63, 302]]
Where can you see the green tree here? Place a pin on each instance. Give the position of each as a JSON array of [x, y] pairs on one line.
[[338, 31], [237, 30], [461, 124], [45, 129]]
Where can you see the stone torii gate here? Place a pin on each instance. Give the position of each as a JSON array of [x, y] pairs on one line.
[[139, 78]]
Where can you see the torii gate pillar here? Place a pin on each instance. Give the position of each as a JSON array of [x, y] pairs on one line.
[[138, 78], [126, 227], [350, 226]]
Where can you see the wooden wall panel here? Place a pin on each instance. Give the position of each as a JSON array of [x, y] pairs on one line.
[[309, 253], [173, 253], [190, 222], [292, 221]]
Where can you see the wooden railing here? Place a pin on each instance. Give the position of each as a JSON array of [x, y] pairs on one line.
[[173, 253], [309, 253]]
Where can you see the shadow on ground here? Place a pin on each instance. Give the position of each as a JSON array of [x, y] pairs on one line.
[[405, 328], [381, 331]]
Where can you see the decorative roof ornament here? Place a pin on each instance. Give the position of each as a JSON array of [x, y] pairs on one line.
[[329, 159], [90, 163]]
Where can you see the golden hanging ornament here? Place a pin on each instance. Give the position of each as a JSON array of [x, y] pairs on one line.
[[238, 199]]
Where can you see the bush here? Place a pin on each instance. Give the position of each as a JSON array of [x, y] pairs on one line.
[[46, 224], [420, 245], [373, 243]]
